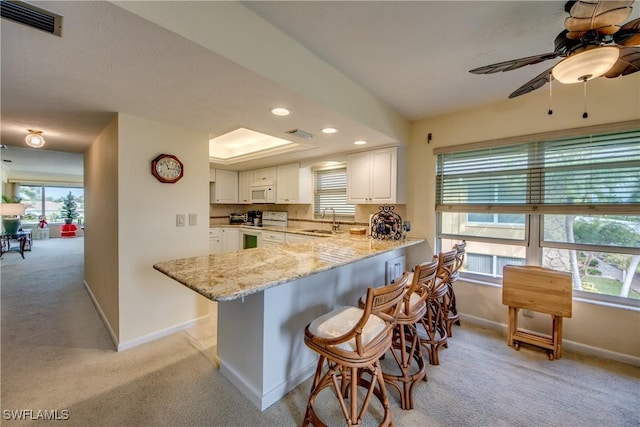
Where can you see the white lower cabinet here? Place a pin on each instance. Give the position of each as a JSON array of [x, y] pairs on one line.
[[224, 240], [215, 240], [230, 239], [271, 238]]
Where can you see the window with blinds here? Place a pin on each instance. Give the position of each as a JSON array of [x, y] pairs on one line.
[[583, 174], [330, 191], [567, 200]]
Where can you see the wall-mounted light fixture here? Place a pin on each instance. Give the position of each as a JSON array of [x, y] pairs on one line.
[[34, 139]]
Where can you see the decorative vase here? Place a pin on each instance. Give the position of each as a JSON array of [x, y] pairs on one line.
[[68, 221], [10, 225]]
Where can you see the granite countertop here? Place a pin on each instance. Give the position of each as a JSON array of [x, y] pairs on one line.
[[228, 276]]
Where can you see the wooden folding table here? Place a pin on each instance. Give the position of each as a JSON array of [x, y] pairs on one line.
[[541, 290]]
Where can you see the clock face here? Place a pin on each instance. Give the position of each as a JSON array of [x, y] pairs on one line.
[[167, 168]]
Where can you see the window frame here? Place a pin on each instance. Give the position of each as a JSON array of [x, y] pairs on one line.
[[534, 241], [317, 209], [44, 195]]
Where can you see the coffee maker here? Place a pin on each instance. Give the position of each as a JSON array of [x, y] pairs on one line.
[[254, 218]]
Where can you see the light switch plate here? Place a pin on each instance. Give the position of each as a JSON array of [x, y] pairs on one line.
[[193, 219], [180, 220]]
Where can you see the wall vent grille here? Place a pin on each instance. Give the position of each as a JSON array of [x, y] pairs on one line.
[[32, 16]]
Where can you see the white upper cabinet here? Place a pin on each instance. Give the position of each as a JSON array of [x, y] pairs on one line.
[[245, 179], [264, 175], [373, 177], [293, 184], [225, 187]]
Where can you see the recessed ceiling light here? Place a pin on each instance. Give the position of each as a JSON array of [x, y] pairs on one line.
[[280, 111], [360, 142], [329, 130]]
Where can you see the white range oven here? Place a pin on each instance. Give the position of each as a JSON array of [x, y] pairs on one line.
[[274, 220]]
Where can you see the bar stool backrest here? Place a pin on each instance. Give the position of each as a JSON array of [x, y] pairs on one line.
[[424, 277], [446, 264], [460, 249], [385, 301]]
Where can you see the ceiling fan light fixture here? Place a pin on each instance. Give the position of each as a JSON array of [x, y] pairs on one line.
[[586, 65], [34, 139]]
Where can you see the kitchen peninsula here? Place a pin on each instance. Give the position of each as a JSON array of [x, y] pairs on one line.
[[268, 295]]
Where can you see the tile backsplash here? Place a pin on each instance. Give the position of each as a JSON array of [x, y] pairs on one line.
[[298, 214]]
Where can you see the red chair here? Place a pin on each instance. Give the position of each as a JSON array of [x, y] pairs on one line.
[[68, 230]]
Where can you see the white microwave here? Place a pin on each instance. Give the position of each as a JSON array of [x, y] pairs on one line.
[[263, 194]]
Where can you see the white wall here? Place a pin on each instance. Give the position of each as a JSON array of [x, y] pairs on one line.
[[150, 302], [609, 101]]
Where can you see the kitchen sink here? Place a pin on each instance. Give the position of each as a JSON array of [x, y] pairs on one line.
[[321, 231]]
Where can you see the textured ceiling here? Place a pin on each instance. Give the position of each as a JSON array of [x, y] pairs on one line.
[[412, 56]]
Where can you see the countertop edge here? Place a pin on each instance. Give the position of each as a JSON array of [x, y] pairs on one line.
[[272, 283]]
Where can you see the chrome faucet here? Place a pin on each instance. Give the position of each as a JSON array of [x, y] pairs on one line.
[[334, 225]]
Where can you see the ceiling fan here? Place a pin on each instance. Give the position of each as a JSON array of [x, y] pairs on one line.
[[593, 44]]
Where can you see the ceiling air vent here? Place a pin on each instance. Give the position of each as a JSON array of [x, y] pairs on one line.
[[32, 16], [299, 133]]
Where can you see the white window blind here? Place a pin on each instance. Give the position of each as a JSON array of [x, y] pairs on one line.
[[330, 191], [582, 173]]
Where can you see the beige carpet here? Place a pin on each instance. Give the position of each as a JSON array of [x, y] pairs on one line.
[[56, 355]]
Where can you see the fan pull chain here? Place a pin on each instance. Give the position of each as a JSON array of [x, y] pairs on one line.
[[585, 114], [550, 112]]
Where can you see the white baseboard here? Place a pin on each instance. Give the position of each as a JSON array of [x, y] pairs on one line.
[[573, 346], [121, 346], [264, 400], [126, 345], [105, 321]]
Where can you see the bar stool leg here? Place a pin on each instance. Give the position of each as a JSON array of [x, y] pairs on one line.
[[405, 349]]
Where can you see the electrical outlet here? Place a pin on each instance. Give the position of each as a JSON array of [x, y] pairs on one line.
[[527, 313], [180, 220], [193, 219]]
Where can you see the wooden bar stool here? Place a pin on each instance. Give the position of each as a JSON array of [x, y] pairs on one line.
[[433, 325], [452, 310], [406, 346], [350, 341]]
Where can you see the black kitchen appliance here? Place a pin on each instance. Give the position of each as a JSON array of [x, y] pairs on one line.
[[257, 221], [254, 217]]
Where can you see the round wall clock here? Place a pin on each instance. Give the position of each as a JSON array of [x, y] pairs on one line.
[[167, 168]]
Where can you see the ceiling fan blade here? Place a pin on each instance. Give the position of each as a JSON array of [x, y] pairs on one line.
[[535, 83], [514, 63], [629, 34], [628, 63], [602, 16]]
